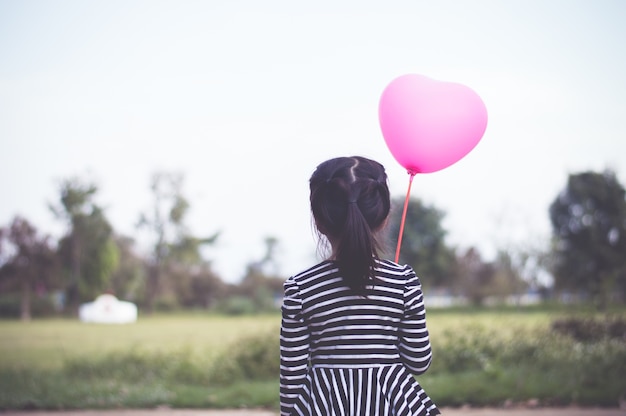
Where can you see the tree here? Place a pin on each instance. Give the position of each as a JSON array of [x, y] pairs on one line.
[[261, 283], [589, 230], [206, 288], [520, 267], [31, 265], [191, 277], [88, 253], [423, 241], [128, 280], [476, 277], [175, 252], [163, 223]]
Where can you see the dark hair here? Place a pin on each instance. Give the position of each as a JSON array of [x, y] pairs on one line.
[[350, 202]]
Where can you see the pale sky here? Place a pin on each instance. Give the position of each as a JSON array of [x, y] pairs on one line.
[[245, 98]]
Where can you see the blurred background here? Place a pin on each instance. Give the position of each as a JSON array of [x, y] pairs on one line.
[[160, 151]]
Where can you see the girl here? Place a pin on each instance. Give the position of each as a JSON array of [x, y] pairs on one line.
[[353, 329]]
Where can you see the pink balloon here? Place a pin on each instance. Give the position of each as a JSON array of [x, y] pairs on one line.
[[429, 125]]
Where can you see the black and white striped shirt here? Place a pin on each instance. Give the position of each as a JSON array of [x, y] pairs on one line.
[[352, 355]]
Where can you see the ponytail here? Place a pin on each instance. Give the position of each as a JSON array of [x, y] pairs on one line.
[[350, 202]]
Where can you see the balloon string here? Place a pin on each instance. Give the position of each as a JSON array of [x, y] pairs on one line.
[[406, 204]]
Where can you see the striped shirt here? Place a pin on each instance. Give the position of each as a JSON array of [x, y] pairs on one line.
[[344, 354]]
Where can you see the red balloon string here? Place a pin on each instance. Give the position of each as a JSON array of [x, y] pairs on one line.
[[406, 205]]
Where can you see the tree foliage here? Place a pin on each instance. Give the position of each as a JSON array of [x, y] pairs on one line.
[[176, 251], [262, 284], [589, 229], [477, 277], [423, 243], [29, 262], [589, 219], [128, 279], [87, 252], [165, 224]]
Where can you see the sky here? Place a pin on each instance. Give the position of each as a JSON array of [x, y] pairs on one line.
[[246, 98]]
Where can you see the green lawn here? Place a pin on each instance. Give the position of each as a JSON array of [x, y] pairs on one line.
[[46, 343], [481, 357]]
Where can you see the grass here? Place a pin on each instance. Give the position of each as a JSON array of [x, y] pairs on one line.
[[27, 389], [48, 343], [482, 357], [182, 360]]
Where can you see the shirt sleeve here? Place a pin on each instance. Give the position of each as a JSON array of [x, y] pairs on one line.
[[414, 342], [294, 347]]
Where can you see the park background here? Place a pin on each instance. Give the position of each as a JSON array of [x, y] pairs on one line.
[[160, 151]]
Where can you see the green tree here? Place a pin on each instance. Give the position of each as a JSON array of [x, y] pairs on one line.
[[261, 284], [477, 278], [520, 267], [509, 273], [164, 223], [176, 252], [589, 230], [87, 251], [423, 242], [128, 280], [31, 265], [206, 288], [194, 283]]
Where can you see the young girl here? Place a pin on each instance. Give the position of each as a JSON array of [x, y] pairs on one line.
[[353, 328]]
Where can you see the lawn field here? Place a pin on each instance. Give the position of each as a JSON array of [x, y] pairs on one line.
[[46, 343], [482, 357]]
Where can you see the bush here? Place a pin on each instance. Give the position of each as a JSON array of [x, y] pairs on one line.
[[591, 329], [40, 306], [237, 305], [139, 366], [251, 358], [538, 363]]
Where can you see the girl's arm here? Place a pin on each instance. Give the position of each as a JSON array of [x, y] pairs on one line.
[[294, 347], [414, 343]]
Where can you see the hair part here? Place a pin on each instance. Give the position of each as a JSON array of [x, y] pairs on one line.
[[350, 203]]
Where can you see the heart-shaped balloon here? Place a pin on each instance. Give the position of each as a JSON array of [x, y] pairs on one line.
[[429, 125]]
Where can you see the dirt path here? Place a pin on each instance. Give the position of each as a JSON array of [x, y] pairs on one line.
[[569, 411]]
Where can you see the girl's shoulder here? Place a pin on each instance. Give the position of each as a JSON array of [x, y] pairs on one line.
[[393, 272], [393, 267], [322, 268]]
